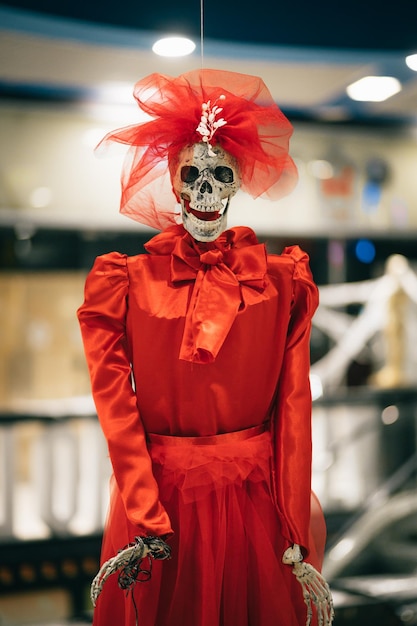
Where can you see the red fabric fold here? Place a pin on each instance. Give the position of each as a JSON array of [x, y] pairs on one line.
[[219, 269]]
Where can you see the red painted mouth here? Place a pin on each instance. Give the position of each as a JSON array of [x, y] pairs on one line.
[[207, 216]]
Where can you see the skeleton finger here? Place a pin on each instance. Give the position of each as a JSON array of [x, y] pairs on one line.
[[316, 592], [127, 563]]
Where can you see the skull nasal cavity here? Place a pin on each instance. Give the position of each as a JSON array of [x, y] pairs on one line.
[[206, 187]]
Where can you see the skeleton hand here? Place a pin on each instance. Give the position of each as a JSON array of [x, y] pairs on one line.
[[316, 591], [292, 555], [128, 563]]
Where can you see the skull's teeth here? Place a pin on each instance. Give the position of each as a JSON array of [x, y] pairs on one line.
[[203, 208], [202, 223]]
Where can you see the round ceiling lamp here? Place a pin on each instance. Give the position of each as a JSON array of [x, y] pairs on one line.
[[173, 47]]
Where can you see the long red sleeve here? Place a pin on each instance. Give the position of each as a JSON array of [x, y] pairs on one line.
[[292, 417], [102, 320]]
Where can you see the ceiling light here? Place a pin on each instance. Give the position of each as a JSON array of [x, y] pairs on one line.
[[374, 88], [173, 47], [411, 61]]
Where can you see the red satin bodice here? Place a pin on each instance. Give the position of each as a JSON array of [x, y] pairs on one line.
[[216, 339]]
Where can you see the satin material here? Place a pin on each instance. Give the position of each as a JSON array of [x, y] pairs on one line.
[[143, 314], [234, 437], [218, 270], [226, 566]]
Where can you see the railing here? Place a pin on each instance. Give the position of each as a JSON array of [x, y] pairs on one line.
[[53, 476], [54, 471]]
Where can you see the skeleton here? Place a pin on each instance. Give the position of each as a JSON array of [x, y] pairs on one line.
[[316, 591], [128, 563], [205, 180]]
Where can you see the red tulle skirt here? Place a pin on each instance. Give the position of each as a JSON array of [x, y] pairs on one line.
[[226, 567]]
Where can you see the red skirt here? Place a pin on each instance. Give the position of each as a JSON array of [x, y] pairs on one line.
[[226, 567]]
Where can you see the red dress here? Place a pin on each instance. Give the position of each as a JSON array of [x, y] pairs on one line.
[[199, 363]]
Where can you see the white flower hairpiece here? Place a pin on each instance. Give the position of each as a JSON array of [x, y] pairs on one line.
[[208, 123]]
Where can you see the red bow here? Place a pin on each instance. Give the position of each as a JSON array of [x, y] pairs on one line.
[[219, 269]]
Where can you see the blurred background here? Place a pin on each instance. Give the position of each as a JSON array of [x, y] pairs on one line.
[[67, 72]]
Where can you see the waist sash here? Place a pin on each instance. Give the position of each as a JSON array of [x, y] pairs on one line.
[[232, 437]]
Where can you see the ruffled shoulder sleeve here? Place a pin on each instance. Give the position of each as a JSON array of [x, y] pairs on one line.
[[106, 286], [102, 319], [305, 298]]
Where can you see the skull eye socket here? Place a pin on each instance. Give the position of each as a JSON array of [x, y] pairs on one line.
[[189, 173], [223, 174]]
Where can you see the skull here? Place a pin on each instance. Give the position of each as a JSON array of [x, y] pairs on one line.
[[205, 180]]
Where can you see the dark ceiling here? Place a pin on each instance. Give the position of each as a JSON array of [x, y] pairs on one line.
[[307, 52], [353, 25]]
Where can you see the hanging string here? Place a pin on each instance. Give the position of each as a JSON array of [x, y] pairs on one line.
[[202, 32]]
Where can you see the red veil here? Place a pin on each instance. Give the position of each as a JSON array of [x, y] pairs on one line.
[[255, 132]]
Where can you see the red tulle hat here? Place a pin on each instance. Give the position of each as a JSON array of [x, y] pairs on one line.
[[252, 129]]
